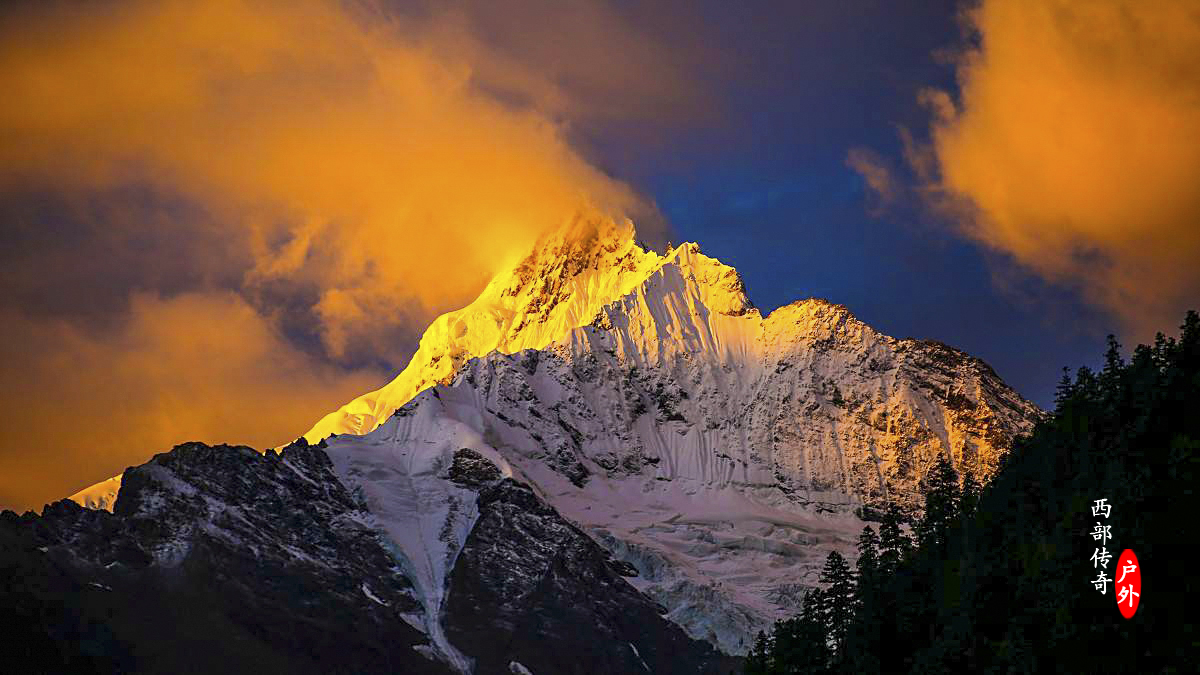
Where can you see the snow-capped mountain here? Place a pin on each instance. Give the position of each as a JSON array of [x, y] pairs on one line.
[[819, 399], [715, 453], [720, 452]]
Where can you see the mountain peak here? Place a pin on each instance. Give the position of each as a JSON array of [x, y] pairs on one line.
[[571, 274], [597, 253], [562, 284]]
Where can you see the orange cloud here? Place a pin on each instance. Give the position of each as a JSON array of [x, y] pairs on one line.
[[1074, 148], [355, 152], [79, 405], [295, 184]]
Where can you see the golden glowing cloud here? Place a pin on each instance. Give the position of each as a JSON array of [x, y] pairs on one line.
[[295, 181], [1074, 147], [345, 150], [78, 405]]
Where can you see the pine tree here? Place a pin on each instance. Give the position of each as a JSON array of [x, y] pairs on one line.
[[1114, 365], [862, 640], [895, 550], [1066, 387], [814, 622], [969, 498], [894, 545], [801, 643], [942, 498], [868, 557], [758, 661], [839, 599]]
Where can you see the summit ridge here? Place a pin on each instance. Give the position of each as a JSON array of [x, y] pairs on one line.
[[561, 285]]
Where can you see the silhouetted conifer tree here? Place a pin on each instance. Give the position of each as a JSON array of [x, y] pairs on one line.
[[868, 557], [941, 505], [758, 661], [969, 494], [839, 599], [894, 545]]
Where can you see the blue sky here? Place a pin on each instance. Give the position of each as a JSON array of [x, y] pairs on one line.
[[767, 189]]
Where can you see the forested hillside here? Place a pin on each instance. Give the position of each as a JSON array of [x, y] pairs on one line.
[[1001, 579]]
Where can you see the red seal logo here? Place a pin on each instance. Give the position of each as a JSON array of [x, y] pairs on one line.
[[1128, 583]]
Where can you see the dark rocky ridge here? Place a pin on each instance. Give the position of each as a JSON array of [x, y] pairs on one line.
[[221, 559], [530, 587], [216, 559]]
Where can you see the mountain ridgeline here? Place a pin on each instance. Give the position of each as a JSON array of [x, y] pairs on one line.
[[610, 461], [1002, 579]]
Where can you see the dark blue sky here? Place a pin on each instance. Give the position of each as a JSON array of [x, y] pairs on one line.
[[765, 186]]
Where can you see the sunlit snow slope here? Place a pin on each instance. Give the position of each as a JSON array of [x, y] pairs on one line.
[[560, 287]]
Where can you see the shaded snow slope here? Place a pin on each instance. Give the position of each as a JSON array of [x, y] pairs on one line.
[[402, 473]]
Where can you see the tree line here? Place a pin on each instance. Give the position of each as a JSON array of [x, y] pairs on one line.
[[998, 578]]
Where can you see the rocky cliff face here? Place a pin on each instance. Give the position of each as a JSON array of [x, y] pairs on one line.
[[528, 583], [641, 397], [215, 559]]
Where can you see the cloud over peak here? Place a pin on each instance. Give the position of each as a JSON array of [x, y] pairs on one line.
[[1073, 146], [320, 176]]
